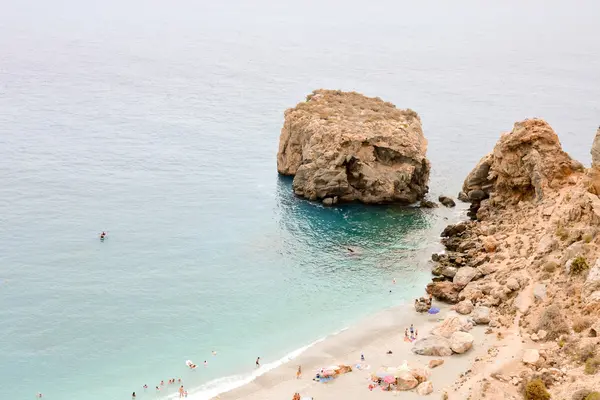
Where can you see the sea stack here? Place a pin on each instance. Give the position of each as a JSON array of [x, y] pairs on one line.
[[343, 146]]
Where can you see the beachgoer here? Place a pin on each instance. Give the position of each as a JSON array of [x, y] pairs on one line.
[[258, 362], [205, 363], [362, 357], [39, 395], [133, 395], [389, 352], [416, 333], [406, 333], [412, 329], [145, 386], [394, 281], [179, 380], [180, 391], [214, 353], [299, 372], [157, 388], [162, 383], [185, 393]]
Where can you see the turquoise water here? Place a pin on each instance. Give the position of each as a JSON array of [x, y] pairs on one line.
[[159, 123]]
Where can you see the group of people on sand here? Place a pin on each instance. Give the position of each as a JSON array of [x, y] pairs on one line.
[[414, 334], [296, 396]]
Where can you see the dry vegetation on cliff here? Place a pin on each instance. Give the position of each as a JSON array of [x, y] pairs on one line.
[[533, 256]]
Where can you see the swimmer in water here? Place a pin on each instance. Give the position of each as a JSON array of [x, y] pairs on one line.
[[133, 395], [205, 363], [214, 353], [145, 386], [258, 362]]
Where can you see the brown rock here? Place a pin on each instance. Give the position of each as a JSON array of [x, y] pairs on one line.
[[523, 164], [425, 388], [355, 147], [444, 291], [464, 307], [406, 381], [435, 363]]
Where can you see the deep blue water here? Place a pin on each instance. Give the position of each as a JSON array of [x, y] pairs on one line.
[[159, 122]]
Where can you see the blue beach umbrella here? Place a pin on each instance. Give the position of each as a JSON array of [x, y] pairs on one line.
[[433, 310]]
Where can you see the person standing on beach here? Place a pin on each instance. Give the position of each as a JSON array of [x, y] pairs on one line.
[[362, 357], [258, 362], [180, 391], [299, 372], [412, 329]]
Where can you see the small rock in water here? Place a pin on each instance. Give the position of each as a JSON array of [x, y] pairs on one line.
[[446, 201]]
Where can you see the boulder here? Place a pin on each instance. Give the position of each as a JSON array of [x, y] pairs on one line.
[[490, 244], [464, 307], [328, 201], [355, 147], [455, 230], [452, 324], [427, 204], [421, 374], [462, 196], [477, 195], [481, 315], [421, 306], [446, 201], [425, 388], [432, 346], [512, 284], [539, 291], [465, 275], [406, 381], [531, 356], [448, 272], [591, 288], [444, 291], [435, 363], [542, 334], [461, 342]]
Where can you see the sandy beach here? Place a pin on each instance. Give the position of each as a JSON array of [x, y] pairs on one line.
[[373, 337]]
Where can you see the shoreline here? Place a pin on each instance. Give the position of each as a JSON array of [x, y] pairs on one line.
[[373, 336]]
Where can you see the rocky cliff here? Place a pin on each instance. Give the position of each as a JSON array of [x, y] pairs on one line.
[[343, 146], [533, 258]]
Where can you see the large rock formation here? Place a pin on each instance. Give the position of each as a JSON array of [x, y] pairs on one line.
[[349, 147], [523, 164]]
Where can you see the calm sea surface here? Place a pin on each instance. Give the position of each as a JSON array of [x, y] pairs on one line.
[[159, 122]]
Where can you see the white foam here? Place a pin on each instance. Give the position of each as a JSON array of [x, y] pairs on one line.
[[225, 384]]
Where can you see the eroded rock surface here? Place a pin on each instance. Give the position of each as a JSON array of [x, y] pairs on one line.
[[353, 147]]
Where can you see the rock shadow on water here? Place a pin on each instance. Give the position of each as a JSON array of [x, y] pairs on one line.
[[384, 233]]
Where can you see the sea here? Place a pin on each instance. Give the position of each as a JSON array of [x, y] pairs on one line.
[[158, 122]]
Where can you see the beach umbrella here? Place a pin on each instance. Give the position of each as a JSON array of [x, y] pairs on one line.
[[433, 310], [389, 379]]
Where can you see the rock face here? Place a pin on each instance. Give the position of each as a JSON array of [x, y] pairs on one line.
[[354, 147], [461, 342], [433, 346], [523, 164], [596, 150]]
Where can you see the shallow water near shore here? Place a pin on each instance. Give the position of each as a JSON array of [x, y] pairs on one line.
[[160, 123]]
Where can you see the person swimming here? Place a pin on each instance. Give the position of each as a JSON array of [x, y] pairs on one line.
[[102, 235]]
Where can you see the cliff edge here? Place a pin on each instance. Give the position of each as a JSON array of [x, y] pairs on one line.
[[343, 146]]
